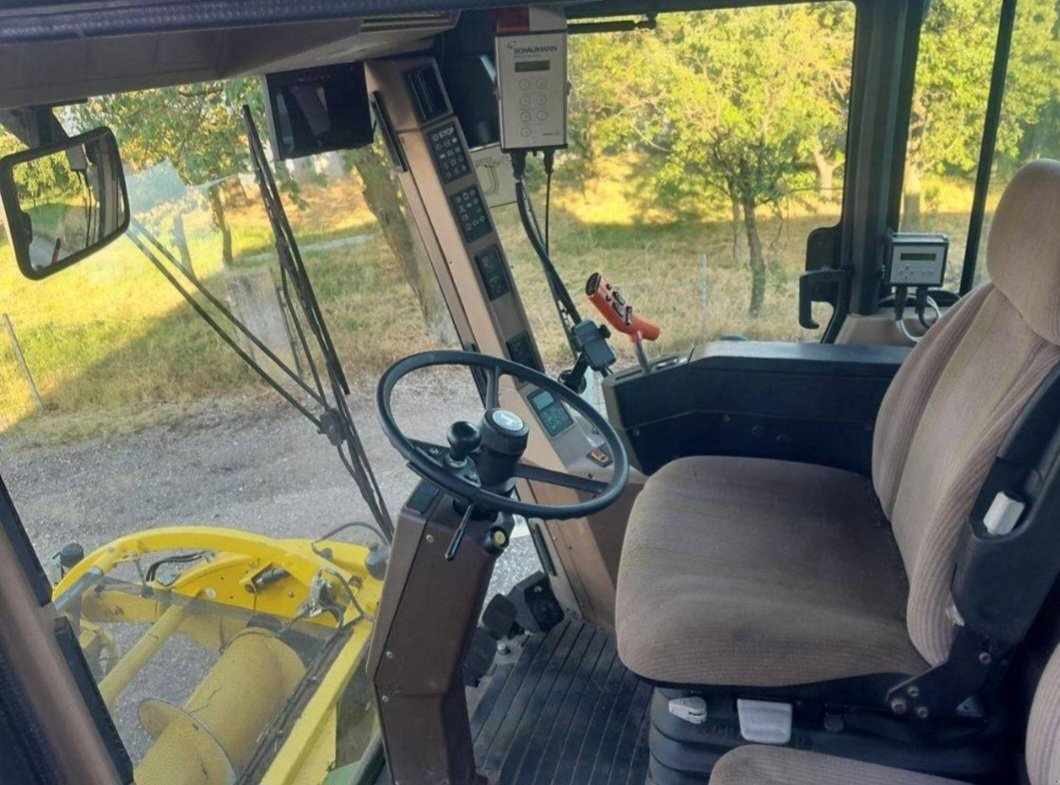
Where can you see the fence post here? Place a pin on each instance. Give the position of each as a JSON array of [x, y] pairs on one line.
[[22, 362]]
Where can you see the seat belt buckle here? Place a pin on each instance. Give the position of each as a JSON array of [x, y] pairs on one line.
[[764, 722]]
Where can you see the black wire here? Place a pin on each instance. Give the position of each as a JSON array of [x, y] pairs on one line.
[[152, 569], [549, 160], [568, 312]]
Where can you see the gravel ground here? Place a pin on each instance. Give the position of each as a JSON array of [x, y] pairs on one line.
[[264, 470]]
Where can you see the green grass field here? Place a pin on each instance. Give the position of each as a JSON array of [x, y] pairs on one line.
[[112, 346]]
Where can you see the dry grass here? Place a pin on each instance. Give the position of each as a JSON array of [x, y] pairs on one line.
[[112, 346]]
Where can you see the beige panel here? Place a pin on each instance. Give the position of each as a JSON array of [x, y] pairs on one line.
[[585, 552]]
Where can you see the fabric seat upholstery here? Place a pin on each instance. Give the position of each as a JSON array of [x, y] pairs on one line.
[[772, 553], [762, 541], [758, 765]]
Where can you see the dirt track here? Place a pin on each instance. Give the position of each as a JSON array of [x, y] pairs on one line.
[[264, 470]]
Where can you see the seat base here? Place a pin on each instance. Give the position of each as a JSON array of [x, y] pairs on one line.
[[747, 571], [686, 754]]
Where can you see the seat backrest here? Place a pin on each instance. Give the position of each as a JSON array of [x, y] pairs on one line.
[[959, 392], [1043, 727]]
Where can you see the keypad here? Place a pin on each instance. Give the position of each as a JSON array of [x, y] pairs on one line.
[[471, 214], [448, 153]]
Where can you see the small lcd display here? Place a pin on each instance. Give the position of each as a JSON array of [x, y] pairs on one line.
[[532, 65], [918, 257], [552, 413]]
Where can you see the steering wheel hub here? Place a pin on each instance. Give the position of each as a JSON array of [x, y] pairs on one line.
[[507, 421]]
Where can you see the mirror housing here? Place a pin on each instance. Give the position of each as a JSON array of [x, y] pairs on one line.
[[63, 202]]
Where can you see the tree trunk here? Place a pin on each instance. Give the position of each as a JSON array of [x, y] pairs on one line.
[[825, 176], [736, 221], [217, 209], [180, 239], [384, 199], [913, 188], [755, 257]]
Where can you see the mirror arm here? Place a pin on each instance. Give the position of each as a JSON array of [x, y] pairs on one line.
[[34, 126]]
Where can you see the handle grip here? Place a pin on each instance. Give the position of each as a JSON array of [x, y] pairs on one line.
[[618, 313]]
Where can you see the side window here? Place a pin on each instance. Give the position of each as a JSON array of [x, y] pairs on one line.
[[702, 155], [949, 112], [1030, 111]]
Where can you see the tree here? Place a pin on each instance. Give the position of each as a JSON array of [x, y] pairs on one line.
[[197, 128], [952, 84], [739, 104]]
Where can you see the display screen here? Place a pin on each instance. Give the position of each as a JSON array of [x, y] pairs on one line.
[[494, 276], [316, 110], [532, 65], [552, 413], [925, 256]]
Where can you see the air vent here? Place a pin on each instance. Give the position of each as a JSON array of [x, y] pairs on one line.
[[405, 22], [427, 94]]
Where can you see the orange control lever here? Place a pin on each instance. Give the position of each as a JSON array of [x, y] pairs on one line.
[[617, 311]]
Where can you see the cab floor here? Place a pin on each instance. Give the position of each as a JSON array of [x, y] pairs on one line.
[[565, 712]]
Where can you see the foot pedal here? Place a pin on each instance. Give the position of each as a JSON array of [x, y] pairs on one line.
[[764, 722]]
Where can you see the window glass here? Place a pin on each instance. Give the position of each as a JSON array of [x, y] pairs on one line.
[[702, 156], [123, 414], [949, 107], [1030, 111]]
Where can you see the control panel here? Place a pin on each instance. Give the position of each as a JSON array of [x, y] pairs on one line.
[[532, 90], [915, 260], [448, 153], [449, 203], [493, 273], [471, 214], [552, 414]]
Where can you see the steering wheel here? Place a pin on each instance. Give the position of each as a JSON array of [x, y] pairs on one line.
[[482, 462]]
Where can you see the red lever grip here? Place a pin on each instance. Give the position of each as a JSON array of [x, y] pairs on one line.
[[618, 313]]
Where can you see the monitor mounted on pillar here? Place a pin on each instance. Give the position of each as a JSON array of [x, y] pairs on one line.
[[318, 110]]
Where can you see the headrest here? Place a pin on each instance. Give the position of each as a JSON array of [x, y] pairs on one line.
[[1023, 252]]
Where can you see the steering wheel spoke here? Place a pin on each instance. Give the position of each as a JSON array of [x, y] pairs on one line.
[[493, 388], [433, 451], [562, 479]]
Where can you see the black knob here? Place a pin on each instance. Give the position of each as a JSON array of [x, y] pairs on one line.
[[464, 438], [70, 555]]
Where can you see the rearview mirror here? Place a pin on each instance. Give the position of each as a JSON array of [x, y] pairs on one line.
[[63, 202]]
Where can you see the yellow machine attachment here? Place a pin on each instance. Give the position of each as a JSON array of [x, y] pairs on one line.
[[286, 700]]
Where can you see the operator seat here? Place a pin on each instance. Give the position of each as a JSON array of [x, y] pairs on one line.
[[761, 765], [764, 573]]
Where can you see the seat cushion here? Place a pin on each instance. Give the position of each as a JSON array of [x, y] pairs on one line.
[[759, 765], [753, 572]]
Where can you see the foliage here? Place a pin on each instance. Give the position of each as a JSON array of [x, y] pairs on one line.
[[197, 128], [957, 48], [734, 104]]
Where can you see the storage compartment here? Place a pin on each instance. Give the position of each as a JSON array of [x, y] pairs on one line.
[[812, 403]]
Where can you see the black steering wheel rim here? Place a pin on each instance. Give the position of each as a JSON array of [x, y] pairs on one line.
[[431, 470]]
